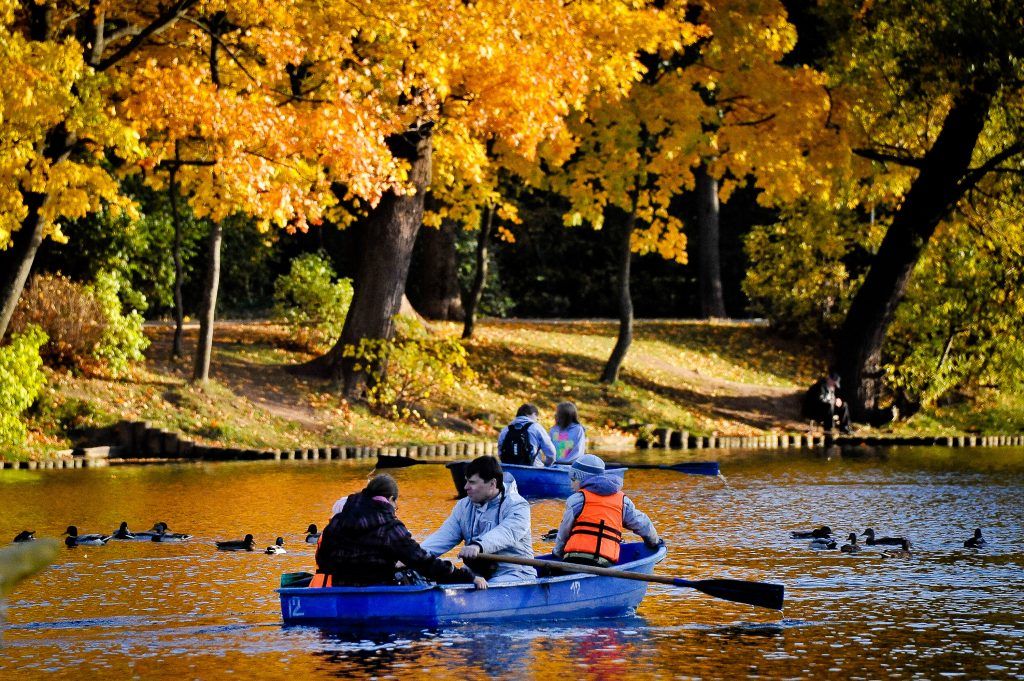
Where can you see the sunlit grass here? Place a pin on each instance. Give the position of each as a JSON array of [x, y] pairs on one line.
[[686, 375]]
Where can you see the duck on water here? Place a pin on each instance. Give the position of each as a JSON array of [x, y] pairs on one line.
[[245, 544], [823, 532], [852, 547], [974, 542], [872, 540], [75, 539]]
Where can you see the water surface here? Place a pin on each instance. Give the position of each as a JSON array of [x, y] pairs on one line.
[[183, 611]]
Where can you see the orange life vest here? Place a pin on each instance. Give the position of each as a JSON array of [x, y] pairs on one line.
[[598, 529], [321, 580]]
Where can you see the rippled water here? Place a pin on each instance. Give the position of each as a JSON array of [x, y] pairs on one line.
[[162, 611]]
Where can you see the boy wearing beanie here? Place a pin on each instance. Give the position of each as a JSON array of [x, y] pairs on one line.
[[595, 516]]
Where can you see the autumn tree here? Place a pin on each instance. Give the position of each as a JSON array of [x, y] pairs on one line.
[[931, 93], [57, 65], [470, 74], [762, 121], [713, 109], [235, 126]]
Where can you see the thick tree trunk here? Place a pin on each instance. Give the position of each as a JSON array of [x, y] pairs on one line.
[[17, 261], [433, 286], [709, 269], [933, 194], [177, 351], [472, 302], [204, 348], [379, 283], [611, 368]]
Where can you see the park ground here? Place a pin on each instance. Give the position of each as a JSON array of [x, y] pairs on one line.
[[725, 378]]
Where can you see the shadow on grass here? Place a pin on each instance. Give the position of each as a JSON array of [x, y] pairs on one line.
[[543, 373]]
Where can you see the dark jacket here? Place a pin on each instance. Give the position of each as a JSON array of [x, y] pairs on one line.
[[362, 543], [820, 398]]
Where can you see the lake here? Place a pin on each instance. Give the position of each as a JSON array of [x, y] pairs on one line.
[[187, 611]]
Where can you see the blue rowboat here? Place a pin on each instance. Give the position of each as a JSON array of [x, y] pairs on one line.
[[567, 596], [531, 481]]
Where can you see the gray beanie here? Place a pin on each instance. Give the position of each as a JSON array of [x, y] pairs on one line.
[[585, 467]]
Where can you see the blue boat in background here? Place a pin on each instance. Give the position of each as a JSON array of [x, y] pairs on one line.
[[566, 596], [531, 481]]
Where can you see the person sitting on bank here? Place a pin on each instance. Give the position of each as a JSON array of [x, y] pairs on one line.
[[567, 435], [595, 515], [492, 518], [823, 405], [363, 543], [524, 441]]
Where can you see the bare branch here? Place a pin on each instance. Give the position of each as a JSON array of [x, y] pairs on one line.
[[174, 12], [899, 159], [975, 174]]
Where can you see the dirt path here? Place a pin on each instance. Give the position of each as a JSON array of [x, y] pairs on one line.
[[758, 406]]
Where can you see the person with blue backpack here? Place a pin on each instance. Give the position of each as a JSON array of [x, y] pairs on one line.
[[524, 441]]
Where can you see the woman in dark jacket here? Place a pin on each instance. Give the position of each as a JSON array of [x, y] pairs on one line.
[[364, 541]]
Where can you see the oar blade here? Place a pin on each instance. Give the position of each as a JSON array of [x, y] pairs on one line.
[[761, 594], [696, 467], [388, 461]]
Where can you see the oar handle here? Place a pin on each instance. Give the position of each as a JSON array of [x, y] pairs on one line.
[[691, 467], [575, 567]]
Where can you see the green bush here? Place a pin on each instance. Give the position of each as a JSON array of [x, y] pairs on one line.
[[310, 300], [122, 342], [412, 371], [21, 379]]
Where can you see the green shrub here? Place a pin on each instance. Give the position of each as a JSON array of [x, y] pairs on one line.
[[310, 300], [122, 342], [21, 379], [412, 371]]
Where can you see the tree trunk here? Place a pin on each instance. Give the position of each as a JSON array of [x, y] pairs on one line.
[[473, 296], [611, 369], [433, 287], [204, 348], [177, 351], [933, 194], [18, 259], [709, 269], [379, 282]]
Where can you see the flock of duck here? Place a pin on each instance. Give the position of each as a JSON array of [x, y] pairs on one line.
[[822, 540], [160, 532]]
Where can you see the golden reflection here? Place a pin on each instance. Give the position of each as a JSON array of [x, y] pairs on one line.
[[172, 611]]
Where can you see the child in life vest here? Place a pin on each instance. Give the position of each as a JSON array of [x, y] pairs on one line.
[[595, 516]]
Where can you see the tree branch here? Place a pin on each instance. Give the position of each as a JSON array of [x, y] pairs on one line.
[[157, 26], [876, 155], [974, 175]]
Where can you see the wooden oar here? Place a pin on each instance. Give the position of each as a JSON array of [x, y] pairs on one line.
[[761, 594], [389, 461], [692, 467]]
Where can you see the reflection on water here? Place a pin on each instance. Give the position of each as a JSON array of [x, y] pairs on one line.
[[170, 611]]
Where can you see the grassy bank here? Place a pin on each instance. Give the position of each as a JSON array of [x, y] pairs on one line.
[[727, 378]]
